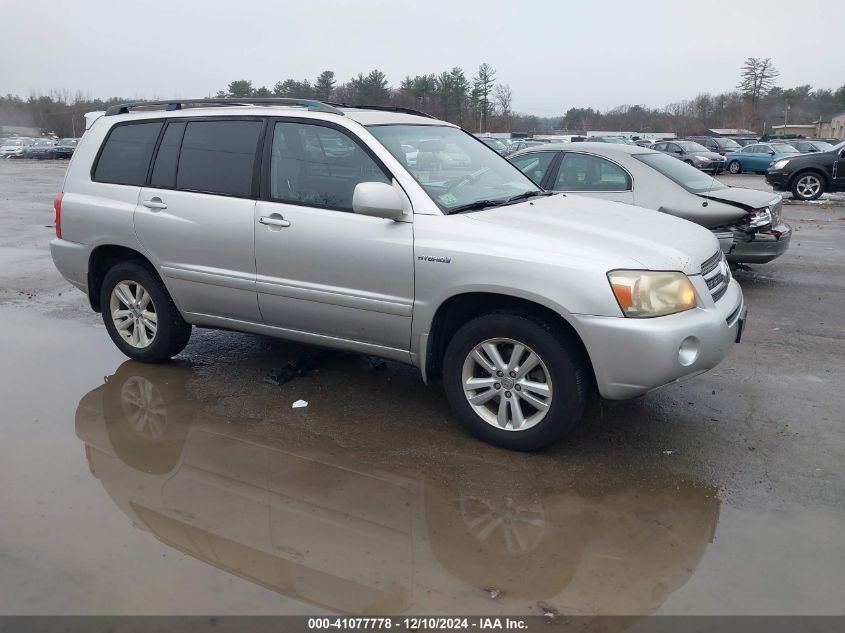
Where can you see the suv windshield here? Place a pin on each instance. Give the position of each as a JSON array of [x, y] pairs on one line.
[[687, 176], [67, 142], [453, 167], [727, 143]]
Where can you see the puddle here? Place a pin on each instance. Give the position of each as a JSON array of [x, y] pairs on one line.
[[194, 487]]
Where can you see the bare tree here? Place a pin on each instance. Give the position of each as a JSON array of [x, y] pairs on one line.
[[504, 99], [757, 78]]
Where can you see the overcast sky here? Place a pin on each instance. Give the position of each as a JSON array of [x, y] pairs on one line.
[[554, 54]]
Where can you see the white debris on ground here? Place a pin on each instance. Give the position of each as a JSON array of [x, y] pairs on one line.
[[299, 404]]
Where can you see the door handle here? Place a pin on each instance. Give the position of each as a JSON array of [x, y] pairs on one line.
[[154, 203], [273, 220]]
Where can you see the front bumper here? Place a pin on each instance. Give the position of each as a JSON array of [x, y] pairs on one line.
[[630, 357], [778, 179], [714, 166], [763, 247]]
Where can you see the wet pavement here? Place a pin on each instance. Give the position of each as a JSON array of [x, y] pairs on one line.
[[195, 487]]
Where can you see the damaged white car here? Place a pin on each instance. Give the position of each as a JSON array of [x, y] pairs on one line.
[[747, 222]]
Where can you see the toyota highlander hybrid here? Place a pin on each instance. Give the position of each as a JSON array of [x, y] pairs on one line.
[[306, 221]]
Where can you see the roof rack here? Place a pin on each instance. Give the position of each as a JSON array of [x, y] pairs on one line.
[[382, 108], [177, 104]]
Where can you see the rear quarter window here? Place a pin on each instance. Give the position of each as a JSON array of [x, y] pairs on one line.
[[126, 152]]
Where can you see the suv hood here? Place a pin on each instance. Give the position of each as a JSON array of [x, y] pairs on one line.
[[746, 199], [608, 230]]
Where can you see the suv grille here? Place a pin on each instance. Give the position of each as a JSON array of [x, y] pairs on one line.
[[716, 274]]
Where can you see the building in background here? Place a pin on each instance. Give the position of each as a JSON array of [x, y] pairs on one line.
[[831, 127], [18, 130]]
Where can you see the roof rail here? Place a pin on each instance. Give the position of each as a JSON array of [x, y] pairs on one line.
[[383, 108], [176, 104]]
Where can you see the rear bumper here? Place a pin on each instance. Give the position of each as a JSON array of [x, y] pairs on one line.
[[71, 260], [631, 357], [764, 247]]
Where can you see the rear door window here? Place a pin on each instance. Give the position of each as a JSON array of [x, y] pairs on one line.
[[534, 165], [125, 157], [218, 157]]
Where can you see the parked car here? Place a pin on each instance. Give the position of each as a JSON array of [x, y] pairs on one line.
[[758, 157], [40, 149], [619, 140], [808, 176], [520, 145], [810, 146], [644, 142], [746, 222], [519, 299], [64, 147], [14, 147], [494, 143], [693, 154], [718, 144]]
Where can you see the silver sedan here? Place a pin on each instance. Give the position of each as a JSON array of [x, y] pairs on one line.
[[747, 222]]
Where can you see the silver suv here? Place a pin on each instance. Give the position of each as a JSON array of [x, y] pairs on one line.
[[390, 233]]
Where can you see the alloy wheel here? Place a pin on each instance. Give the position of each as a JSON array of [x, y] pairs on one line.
[[133, 313], [808, 186], [507, 384]]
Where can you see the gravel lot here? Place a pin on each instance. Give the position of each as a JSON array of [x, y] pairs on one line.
[[195, 487]]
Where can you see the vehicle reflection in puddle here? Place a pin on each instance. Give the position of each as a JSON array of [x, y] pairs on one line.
[[352, 533]]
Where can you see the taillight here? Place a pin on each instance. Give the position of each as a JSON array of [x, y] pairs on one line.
[[57, 205]]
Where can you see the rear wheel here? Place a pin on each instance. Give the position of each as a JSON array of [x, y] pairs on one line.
[[140, 315], [514, 381], [734, 167], [807, 186]]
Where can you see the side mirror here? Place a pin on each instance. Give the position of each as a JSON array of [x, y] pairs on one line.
[[771, 153], [378, 200]]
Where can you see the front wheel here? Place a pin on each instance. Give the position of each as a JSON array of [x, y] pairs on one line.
[[807, 187], [514, 381], [734, 167], [140, 315]]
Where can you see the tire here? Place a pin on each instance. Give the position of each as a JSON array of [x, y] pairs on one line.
[[734, 167], [171, 332], [808, 185], [560, 364]]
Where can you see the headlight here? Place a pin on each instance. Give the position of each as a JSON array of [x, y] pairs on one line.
[[645, 293], [781, 163], [760, 217], [703, 159]]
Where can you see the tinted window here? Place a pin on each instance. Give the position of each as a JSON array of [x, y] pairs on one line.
[[218, 156], [318, 166], [583, 172], [164, 169], [534, 165], [126, 154]]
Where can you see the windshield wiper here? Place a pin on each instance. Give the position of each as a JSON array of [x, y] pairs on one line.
[[528, 194], [478, 204], [485, 204]]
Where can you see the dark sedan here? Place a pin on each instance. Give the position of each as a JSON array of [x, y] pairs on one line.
[[808, 176], [65, 147], [693, 154], [40, 149]]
